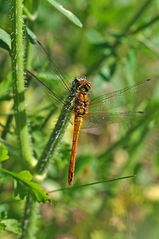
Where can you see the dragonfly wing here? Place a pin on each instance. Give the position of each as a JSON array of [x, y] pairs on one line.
[[115, 107], [123, 97], [54, 96], [47, 72], [97, 121]]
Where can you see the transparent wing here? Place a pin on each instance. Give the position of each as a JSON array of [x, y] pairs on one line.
[[123, 96], [114, 107], [100, 112], [54, 95], [45, 71], [52, 64], [97, 121]]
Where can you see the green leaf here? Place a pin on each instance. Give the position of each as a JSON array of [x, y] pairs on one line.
[[32, 36], [66, 12], [25, 175], [3, 153], [10, 225], [5, 40], [25, 186]]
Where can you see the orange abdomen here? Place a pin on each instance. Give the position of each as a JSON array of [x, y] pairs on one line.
[[77, 126], [80, 110]]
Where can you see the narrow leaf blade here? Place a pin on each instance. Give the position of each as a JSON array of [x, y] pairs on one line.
[[66, 12], [5, 40]]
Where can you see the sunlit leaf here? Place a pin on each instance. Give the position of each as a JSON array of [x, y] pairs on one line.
[[5, 41], [25, 175], [10, 225], [3, 153], [66, 12], [32, 36], [25, 185]]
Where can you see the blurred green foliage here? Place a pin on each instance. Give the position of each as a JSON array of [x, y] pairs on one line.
[[117, 47]]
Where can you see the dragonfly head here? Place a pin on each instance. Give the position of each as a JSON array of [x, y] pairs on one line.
[[83, 84]]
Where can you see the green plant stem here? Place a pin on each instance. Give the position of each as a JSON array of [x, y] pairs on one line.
[[29, 219], [145, 25], [48, 116], [18, 82], [76, 187], [137, 15], [7, 126], [58, 131], [17, 52]]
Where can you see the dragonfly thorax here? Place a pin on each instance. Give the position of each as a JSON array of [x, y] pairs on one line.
[[81, 103], [83, 84]]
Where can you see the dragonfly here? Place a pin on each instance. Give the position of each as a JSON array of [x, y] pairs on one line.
[[78, 102]]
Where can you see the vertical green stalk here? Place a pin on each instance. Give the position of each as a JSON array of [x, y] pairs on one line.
[[18, 81], [30, 218], [58, 131], [17, 55]]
